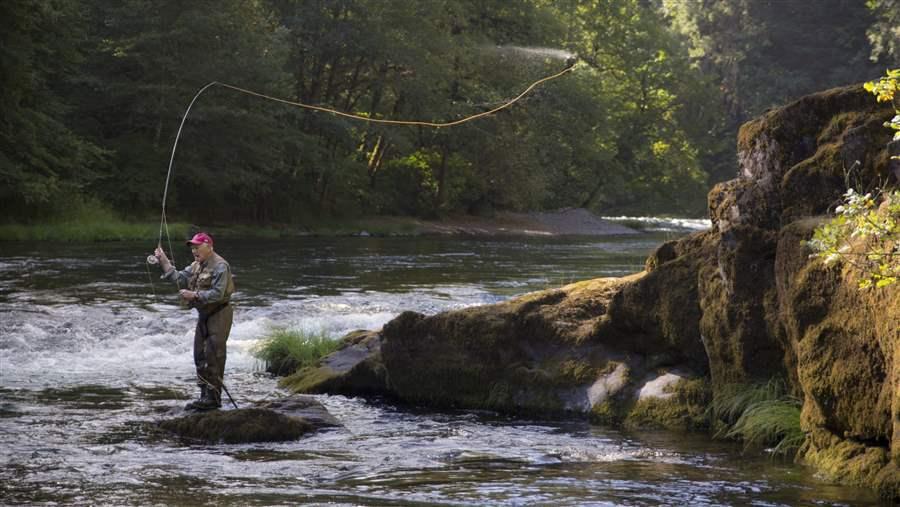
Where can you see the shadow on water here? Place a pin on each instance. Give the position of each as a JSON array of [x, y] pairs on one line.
[[93, 397]]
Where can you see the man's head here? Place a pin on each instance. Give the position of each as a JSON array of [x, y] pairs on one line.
[[201, 246]]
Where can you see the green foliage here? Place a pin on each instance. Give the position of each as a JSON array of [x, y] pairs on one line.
[[886, 90], [884, 32], [765, 54], [286, 350], [759, 415], [866, 235], [762, 54], [94, 92], [42, 160], [770, 422]]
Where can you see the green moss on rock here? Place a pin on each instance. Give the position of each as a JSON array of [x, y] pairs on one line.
[[238, 426], [354, 369], [851, 462], [685, 410], [527, 355]]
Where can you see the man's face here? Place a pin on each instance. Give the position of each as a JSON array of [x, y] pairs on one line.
[[201, 252]]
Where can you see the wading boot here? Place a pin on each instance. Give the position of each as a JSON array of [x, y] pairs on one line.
[[209, 401], [194, 405]]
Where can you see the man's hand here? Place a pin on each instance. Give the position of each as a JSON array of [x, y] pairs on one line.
[[188, 295], [163, 259]]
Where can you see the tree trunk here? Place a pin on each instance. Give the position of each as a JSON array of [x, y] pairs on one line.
[[441, 196], [381, 148]]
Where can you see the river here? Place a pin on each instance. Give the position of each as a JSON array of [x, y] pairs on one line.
[[94, 349]]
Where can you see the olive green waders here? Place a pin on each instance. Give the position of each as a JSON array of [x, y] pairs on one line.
[[210, 337]]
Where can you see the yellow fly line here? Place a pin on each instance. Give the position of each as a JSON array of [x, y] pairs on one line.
[[163, 221], [400, 122]]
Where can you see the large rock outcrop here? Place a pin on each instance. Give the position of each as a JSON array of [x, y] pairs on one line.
[[741, 302]]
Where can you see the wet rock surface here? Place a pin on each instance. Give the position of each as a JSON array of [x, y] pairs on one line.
[[354, 369], [285, 419]]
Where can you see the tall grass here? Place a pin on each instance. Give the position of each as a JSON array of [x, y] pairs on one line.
[[760, 415], [283, 351], [86, 220], [83, 220]]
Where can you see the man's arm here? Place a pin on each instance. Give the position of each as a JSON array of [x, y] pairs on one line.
[[179, 277]]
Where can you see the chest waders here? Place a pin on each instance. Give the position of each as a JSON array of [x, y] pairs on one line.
[[210, 338]]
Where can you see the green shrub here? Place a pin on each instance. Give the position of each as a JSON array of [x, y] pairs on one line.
[[866, 235], [286, 350]]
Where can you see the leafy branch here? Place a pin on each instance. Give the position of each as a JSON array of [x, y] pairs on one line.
[[865, 235], [885, 90]]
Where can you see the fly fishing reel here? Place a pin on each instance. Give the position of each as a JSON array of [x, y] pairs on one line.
[[151, 259]]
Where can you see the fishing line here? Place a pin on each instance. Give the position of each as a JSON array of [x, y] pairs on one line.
[[150, 277], [164, 223], [400, 122]]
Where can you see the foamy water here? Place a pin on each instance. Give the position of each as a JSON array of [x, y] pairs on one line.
[[67, 343], [656, 224]]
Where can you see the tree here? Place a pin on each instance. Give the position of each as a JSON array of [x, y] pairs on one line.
[[150, 61], [641, 73], [884, 33], [763, 53], [44, 165]]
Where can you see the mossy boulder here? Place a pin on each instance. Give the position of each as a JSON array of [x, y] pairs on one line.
[[532, 354], [280, 420], [545, 353], [803, 155], [847, 345], [354, 369], [672, 401], [838, 345], [656, 314], [853, 462]]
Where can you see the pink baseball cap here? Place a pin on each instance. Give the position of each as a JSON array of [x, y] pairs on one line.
[[201, 238]]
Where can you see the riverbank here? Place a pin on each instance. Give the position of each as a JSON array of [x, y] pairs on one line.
[[568, 221]]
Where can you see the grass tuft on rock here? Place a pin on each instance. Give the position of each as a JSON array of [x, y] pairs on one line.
[[284, 351], [760, 415]]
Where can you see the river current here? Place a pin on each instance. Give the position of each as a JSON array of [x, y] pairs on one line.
[[94, 350]]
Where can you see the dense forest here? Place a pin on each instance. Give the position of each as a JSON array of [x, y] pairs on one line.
[[93, 93]]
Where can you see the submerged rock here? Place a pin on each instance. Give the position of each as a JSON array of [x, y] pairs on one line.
[[280, 420]]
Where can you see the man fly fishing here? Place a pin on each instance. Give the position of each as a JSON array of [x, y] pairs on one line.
[[206, 285]]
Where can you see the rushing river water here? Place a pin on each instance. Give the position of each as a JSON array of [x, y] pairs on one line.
[[93, 350]]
